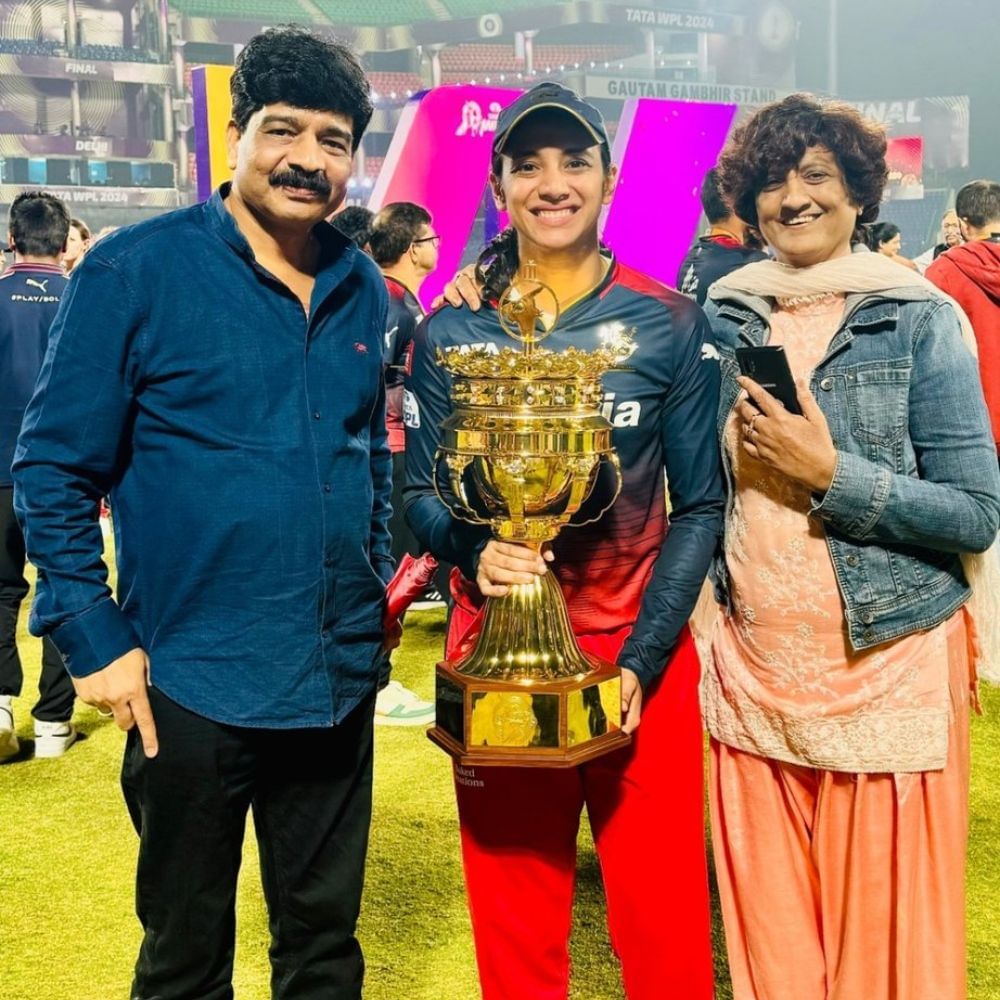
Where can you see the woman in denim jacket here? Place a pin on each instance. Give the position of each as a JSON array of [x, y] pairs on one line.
[[838, 691]]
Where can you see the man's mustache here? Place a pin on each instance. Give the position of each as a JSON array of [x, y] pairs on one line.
[[299, 179]]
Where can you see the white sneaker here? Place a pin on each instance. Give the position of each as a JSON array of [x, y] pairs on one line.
[[52, 739], [395, 705], [9, 747]]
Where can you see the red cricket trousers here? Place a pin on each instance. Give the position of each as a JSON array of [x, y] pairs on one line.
[[645, 805]]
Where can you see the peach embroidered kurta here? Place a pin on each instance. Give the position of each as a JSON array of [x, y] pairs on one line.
[[839, 780], [785, 682]]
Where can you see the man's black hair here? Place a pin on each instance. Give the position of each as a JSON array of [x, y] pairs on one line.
[[714, 205], [38, 224], [355, 222], [978, 203], [290, 65], [394, 229]]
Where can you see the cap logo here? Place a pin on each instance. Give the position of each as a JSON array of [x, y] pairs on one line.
[[474, 123]]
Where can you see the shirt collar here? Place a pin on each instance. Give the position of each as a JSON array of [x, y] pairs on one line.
[[36, 267], [334, 246]]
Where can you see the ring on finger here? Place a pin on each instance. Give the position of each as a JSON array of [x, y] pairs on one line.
[[751, 430], [104, 712]]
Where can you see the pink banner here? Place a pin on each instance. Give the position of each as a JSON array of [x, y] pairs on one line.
[[440, 158], [664, 149]]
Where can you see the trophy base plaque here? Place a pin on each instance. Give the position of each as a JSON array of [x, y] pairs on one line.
[[513, 723]]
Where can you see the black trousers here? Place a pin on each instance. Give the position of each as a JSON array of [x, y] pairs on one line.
[[310, 791], [55, 688]]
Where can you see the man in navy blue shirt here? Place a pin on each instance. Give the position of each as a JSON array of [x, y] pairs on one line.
[[30, 291], [219, 371]]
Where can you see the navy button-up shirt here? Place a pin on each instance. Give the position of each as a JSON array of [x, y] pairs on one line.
[[243, 445]]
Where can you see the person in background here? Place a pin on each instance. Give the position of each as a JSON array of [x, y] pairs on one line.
[[218, 371], [355, 222], [721, 250], [886, 239], [30, 292], [77, 244], [970, 274], [403, 243], [837, 695], [630, 577], [950, 235]]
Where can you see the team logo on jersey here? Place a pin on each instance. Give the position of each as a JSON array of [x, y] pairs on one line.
[[40, 285], [389, 335], [360, 348], [617, 335], [709, 353], [411, 410]]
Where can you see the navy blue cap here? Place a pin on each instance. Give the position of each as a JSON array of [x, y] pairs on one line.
[[550, 95]]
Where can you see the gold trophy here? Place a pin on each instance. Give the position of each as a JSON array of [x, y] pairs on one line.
[[527, 434]]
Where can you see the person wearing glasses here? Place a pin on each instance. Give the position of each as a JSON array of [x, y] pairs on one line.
[[403, 243]]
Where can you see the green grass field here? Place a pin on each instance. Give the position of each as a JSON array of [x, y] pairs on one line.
[[67, 851]]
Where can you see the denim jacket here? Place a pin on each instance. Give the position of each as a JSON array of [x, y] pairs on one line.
[[916, 480]]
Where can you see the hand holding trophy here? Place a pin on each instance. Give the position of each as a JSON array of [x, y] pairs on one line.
[[527, 438]]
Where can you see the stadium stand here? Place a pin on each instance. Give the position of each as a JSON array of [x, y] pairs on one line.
[[113, 53], [28, 47], [385, 84], [353, 12], [475, 8], [474, 61], [249, 10], [918, 219]]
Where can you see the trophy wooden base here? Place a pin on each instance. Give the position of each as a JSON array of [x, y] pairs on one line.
[[553, 723]]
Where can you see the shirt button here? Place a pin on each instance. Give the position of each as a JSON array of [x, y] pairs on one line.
[[328, 561], [327, 488], [867, 618], [852, 560], [325, 634], [868, 635], [827, 384], [315, 414]]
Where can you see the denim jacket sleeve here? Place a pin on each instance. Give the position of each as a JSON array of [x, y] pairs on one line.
[[953, 504]]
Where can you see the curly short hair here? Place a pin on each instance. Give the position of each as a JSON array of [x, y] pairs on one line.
[[775, 138], [291, 65]]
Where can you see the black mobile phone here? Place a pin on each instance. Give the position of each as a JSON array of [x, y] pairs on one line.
[[768, 367]]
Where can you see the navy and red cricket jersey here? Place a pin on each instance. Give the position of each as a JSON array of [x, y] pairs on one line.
[[29, 298], [626, 567], [401, 322]]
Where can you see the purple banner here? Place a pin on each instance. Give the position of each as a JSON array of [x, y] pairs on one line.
[[664, 149]]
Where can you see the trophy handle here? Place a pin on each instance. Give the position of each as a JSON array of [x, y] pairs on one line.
[[612, 457], [456, 466]]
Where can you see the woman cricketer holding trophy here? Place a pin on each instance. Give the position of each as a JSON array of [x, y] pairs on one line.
[[630, 581]]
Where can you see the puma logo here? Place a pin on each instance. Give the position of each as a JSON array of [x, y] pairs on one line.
[[40, 285]]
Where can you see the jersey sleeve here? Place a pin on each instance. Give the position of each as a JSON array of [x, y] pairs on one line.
[[697, 500], [426, 404]]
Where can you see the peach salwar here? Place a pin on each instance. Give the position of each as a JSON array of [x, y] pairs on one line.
[[839, 779]]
